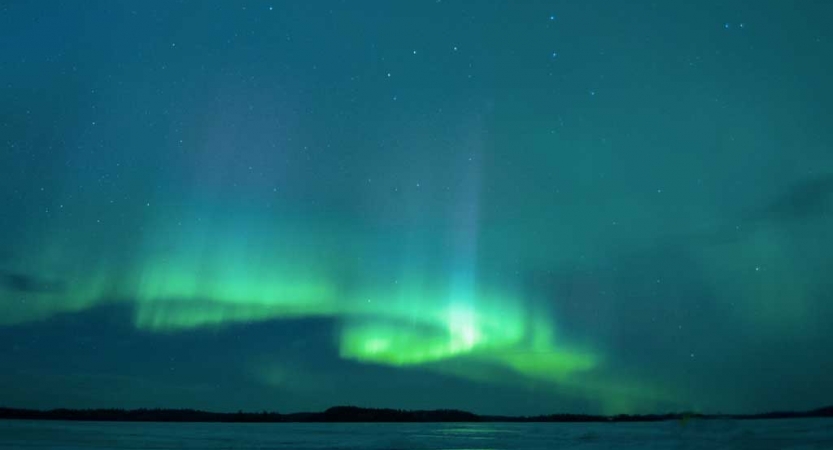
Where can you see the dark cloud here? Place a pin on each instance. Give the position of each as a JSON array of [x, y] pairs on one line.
[[19, 282], [806, 199]]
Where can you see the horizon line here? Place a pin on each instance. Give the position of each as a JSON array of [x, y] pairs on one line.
[[351, 413]]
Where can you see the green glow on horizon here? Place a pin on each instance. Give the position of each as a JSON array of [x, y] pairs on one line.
[[171, 298], [446, 323], [437, 335]]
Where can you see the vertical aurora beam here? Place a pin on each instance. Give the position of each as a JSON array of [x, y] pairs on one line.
[[463, 324], [465, 223]]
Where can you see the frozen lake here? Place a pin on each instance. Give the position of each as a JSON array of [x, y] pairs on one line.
[[763, 434]]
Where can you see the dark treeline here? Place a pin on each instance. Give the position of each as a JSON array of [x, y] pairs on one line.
[[357, 414]]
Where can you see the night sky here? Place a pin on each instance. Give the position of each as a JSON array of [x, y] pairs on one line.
[[512, 207]]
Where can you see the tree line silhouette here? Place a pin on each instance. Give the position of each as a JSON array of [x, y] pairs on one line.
[[358, 414]]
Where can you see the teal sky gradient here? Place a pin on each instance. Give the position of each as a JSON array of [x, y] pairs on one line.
[[506, 207]]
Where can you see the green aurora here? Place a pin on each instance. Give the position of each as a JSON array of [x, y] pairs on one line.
[[527, 206]]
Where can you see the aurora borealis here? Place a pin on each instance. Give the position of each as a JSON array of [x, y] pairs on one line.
[[505, 207]]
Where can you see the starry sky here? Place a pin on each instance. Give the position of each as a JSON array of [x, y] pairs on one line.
[[509, 207]]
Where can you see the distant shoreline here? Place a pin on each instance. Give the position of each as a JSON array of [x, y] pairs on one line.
[[342, 414]]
